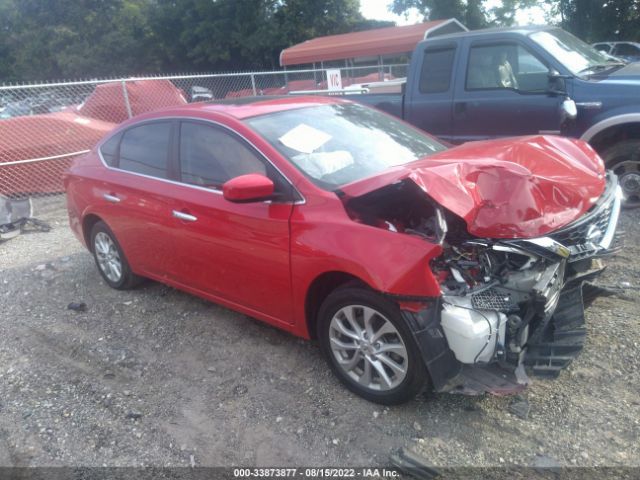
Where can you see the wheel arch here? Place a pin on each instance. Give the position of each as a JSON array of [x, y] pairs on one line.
[[320, 288], [613, 130], [87, 225]]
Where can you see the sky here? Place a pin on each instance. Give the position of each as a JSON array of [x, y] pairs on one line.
[[378, 10]]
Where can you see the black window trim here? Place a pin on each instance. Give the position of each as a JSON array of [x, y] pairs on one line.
[[298, 199], [493, 43]]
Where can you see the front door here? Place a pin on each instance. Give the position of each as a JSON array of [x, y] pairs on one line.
[[238, 252], [504, 93]]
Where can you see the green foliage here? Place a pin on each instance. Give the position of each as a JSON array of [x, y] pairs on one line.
[[473, 13], [71, 38], [50, 39], [595, 21]]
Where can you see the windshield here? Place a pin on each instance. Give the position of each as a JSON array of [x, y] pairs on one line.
[[573, 53], [340, 143]]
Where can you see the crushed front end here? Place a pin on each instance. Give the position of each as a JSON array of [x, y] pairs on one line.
[[522, 224], [507, 304]]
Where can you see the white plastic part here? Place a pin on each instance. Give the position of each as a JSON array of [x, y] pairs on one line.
[[473, 335]]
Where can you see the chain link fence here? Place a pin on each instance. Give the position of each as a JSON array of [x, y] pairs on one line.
[[43, 127]]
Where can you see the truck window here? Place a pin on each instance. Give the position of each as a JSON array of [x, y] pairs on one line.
[[437, 64], [505, 65], [626, 49]]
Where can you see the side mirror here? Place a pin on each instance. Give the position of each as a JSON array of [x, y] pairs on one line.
[[568, 110], [248, 188], [557, 82]]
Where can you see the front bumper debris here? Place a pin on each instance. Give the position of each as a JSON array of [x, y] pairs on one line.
[[554, 316]]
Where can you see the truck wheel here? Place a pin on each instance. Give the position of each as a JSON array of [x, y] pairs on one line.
[[369, 347], [624, 159]]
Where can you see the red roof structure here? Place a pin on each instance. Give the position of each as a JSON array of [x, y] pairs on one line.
[[376, 42]]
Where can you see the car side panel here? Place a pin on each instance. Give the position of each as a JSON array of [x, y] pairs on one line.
[[235, 251], [140, 217], [324, 239]]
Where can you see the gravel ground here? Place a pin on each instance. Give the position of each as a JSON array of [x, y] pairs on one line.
[[156, 377]]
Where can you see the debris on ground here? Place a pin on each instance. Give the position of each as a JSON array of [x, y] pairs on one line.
[[77, 306]]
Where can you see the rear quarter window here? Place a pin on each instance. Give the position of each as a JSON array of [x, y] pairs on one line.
[[109, 150], [145, 149]]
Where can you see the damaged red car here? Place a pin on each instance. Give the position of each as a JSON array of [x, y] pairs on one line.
[[414, 265]]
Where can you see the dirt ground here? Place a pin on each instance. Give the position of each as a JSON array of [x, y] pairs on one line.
[[156, 377]]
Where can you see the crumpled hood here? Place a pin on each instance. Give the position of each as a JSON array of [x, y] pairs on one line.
[[521, 187]]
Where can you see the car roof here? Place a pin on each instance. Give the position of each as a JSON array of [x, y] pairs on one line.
[[617, 42], [246, 107], [522, 30]]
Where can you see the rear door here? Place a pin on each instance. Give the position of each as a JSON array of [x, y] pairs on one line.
[[501, 90], [131, 194], [237, 252], [430, 100]]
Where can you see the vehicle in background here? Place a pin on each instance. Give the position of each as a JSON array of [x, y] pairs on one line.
[[200, 94], [495, 83], [629, 51], [48, 126], [414, 265]]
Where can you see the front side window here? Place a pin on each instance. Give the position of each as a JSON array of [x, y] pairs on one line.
[[437, 66], [505, 65], [209, 156], [145, 149], [602, 47], [340, 143]]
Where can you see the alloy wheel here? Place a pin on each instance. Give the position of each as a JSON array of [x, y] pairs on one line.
[[108, 257], [368, 347]]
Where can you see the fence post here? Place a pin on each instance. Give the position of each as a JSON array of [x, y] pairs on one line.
[[253, 85], [126, 98]]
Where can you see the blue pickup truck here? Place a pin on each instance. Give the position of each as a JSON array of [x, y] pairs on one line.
[[520, 81]]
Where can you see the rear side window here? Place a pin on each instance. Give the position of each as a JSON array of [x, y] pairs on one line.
[[626, 49], [109, 150], [210, 156], [145, 149], [437, 65]]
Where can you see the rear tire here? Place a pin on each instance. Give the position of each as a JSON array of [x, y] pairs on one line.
[[624, 159], [369, 347], [110, 259]]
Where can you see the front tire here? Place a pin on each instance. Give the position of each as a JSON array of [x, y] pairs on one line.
[[110, 259], [624, 159], [369, 347]]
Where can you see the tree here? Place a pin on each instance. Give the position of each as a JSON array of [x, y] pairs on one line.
[[602, 20], [231, 34], [85, 38], [473, 13], [67, 38]]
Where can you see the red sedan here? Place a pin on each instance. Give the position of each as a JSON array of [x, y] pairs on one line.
[[414, 265]]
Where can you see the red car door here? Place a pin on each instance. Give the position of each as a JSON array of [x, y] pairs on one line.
[[131, 192], [236, 252]]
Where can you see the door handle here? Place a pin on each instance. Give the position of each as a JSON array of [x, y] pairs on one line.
[[111, 198], [184, 216], [459, 107]]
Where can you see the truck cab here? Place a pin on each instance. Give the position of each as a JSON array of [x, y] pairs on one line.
[[528, 80]]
